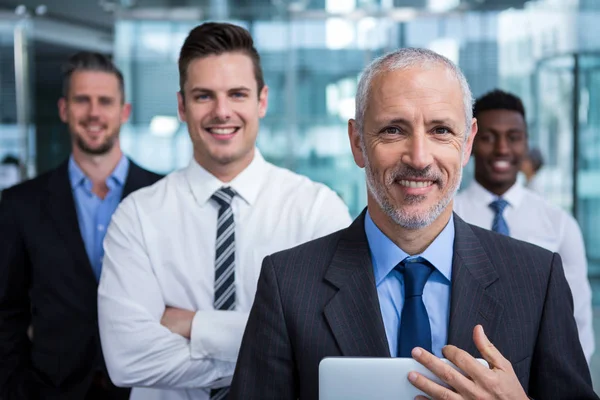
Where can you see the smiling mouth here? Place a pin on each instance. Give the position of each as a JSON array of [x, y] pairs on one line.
[[501, 166], [223, 131], [94, 128], [415, 184]]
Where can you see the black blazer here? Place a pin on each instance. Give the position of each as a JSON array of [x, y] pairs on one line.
[[46, 280], [319, 299]]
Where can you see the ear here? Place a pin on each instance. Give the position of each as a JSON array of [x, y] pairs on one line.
[[469, 144], [125, 112], [355, 143], [62, 109], [263, 100], [181, 107]]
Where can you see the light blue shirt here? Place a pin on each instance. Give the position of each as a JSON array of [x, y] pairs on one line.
[[390, 283], [94, 213]]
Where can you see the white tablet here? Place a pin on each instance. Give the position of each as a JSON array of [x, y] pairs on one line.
[[366, 378]]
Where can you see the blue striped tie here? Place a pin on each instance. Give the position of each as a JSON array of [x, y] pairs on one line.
[[499, 224], [224, 263]]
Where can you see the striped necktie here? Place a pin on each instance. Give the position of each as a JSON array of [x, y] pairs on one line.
[[224, 262]]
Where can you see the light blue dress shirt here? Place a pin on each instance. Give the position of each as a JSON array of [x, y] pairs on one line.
[[390, 283], [94, 213]]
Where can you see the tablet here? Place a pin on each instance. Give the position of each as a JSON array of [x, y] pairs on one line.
[[366, 378]]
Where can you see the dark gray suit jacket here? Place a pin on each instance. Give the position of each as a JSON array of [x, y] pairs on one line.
[[319, 299]]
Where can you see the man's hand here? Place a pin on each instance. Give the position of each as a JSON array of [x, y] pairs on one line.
[[497, 382], [178, 321]]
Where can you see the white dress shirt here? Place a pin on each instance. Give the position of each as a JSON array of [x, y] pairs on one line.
[[160, 251], [532, 219]]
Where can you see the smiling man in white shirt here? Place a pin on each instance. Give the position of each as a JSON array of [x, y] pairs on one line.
[[496, 201], [182, 258]]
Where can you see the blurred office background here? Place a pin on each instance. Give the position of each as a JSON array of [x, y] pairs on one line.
[[546, 51]]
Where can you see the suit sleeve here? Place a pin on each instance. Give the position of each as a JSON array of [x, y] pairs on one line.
[[265, 369], [15, 314], [558, 367], [138, 350]]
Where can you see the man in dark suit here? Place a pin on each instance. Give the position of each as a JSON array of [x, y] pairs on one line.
[[51, 232], [409, 278]]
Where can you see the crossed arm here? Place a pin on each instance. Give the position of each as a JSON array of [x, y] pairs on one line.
[[145, 342]]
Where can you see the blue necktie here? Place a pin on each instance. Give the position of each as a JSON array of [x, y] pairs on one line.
[[414, 321], [499, 225]]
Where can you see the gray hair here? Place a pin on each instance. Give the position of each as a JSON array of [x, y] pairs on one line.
[[404, 59], [90, 61]]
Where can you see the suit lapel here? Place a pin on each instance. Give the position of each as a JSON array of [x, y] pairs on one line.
[[61, 209], [471, 304], [353, 314], [134, 180]]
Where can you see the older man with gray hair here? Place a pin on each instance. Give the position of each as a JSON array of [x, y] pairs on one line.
[[409, 278]]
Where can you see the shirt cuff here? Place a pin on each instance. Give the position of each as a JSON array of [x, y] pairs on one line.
[[217, 334]]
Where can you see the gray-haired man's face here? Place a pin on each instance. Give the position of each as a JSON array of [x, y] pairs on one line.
[[413, 144]]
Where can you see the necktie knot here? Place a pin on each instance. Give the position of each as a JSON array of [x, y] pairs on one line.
[[416, 272], [498, 205], [224, 196]]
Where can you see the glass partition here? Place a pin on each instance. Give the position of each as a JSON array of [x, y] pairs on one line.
[[568, 122], [312, 62], [17, 154]]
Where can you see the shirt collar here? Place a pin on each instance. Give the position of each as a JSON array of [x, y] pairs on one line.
[[247, 184], [118, 175], [386, 255], [120, 172], [513, 196], [76, 175]]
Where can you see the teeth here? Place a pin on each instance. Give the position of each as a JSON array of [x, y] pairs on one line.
[[416, 184], [94, 128], [501, 164], [222, 131]]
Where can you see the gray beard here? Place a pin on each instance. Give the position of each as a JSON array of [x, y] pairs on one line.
[[399, 217]]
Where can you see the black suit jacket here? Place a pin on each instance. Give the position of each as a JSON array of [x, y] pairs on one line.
[[319, 300], [46, 280]]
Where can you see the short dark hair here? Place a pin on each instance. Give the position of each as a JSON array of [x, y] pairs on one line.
[[216, 38], [498, 100], [90, 61], [10, 159]]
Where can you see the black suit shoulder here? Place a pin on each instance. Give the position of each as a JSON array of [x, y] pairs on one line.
[[144, 174], [26, 196], [30, 187]]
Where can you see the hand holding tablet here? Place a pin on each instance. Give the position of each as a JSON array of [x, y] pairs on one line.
[[364, 378]]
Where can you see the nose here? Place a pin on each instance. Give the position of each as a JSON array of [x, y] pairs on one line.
[[418, 154], [501, 145], [222, 109], [94, 109]]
